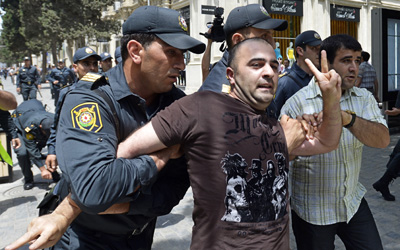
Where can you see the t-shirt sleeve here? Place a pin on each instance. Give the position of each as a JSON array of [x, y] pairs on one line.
[[174, 125]]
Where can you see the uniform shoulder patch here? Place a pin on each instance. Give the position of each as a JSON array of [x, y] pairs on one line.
[[91, 77], [86, 116]]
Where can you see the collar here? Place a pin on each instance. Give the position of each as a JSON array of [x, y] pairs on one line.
[[299, 71]]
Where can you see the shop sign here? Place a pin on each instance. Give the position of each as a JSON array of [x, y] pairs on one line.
[[207, 9], [344, 13], [285, 7]]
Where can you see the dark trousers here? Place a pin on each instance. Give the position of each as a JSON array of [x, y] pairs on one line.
[[393, 165], [360, 233], [23, 161], [80, 238], [28, 91]]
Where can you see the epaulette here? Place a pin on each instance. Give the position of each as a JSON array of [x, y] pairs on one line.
[[285, 73], [91, 77]]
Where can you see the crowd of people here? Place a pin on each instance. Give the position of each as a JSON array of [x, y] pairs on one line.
[[252, 124]]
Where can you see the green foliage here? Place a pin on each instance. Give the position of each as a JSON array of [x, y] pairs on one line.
[[35, 26]]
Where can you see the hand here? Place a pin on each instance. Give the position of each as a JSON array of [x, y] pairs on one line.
[[329, 82], [43, 232], [310, 124], [39, 86], [394, 111], [55, 82], [18, 90], [45, 173], [294, 132], [51, 163], [16, 143], [161, 157]]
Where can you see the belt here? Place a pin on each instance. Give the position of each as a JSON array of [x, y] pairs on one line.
[[29, 83]]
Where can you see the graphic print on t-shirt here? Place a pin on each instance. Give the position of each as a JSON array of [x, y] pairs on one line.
[[260, 198]]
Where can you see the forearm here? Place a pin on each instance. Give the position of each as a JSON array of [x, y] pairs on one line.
[[68, 209], [331, 127], [370, 133], [142, 141]]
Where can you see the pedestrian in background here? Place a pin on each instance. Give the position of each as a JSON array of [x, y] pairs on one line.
[[393, 165], [28, 80], [367, 77]]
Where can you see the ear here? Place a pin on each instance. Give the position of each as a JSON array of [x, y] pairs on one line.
[[230, 74], [299, 51], [135, 51], [75, 66], [237, 38]]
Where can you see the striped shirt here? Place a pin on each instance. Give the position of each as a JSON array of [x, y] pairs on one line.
[[368, 74], [325, 188]]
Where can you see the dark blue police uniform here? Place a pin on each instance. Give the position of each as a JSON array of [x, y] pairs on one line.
[[289, 84], [28, 116], [217, 81], [86, 151], [27, 81], [64, 76]]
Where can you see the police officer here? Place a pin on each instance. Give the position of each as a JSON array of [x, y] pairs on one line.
[[307, 46], [33, 125], [28, 80], [243, 22], [85, 60], [105, 62], [117, 55], [139, 86], [61, 77]]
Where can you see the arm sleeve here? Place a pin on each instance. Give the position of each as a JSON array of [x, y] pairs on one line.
[[50, 76], [18, 83], [88, 156]]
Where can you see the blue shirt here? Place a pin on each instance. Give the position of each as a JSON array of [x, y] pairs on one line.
[[65, 76], [217, 81], [287, 86], [86, 151], [28, 75]]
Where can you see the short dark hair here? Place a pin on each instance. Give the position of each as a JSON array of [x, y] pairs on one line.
[[336, 42], [143, 38], [234, 50], [365, 55], [244, 32]]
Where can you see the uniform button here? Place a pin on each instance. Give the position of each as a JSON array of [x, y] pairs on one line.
[[100, 139]]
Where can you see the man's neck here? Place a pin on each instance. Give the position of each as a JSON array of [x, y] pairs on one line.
[[302, 64]]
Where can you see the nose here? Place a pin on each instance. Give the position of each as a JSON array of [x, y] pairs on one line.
[[354, 66], [180, 62], [94, 67], [268, 72]]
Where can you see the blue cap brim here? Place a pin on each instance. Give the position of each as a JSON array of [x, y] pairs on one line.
[[183, 41]]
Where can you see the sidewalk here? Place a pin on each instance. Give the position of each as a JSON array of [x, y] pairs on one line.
[[18, 207]]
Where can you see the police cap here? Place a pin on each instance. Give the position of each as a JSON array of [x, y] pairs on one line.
[[166, 24], [309, 37], [105, 55], [117, 54], [252, 15], [85, 52]]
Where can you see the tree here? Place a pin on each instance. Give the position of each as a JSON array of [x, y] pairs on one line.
[[38, 26]]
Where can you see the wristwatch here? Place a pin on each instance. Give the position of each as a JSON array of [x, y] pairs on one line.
[[353, 118]]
